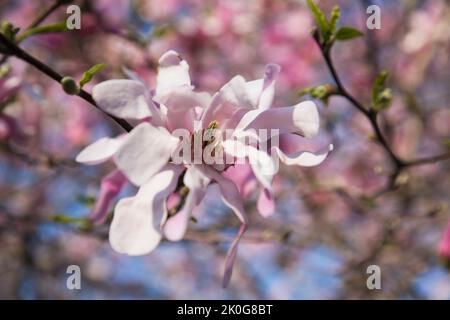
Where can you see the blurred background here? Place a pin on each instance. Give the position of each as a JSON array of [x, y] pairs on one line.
[[331, 221]]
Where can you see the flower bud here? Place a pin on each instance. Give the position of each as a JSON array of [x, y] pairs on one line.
[[70, 86]]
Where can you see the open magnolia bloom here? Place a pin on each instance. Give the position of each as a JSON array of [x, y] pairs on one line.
[[179, 147]]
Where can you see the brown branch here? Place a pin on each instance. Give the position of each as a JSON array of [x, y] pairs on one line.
[[432, 159], [372, 117], [368, 113], [39, 19], [22, 55]]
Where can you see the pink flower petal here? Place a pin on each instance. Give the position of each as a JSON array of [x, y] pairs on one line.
[[305, 159], [181, 107], [176, 226], [243, 177], [262, 91], [111, 186], [302, 118], [145, 151], [263, 165], [100, 151], [228, 190], [173, 72], [135, 229], [127, 99], [266, 203]]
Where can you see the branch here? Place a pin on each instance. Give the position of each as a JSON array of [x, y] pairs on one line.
[[22, 55], [432, 159], [372, 117], [370, 114], [39, 19]]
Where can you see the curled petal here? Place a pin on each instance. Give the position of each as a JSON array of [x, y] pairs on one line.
[[100, 151], [305, 159], [123, 98], [262, 91], [173, 72], [243, 177], [135, 229], [302, 119], [229, 192], [235, 93], [146, 150]]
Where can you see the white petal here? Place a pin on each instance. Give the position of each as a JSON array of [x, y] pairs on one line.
[[229, 192], [122, 98], [173, 72], [305, 159], [176, 226], [261, 92], [181, 107], [235, 93], [301, 118], [146, 150], [135, 227], [263, 165], [99, 151]]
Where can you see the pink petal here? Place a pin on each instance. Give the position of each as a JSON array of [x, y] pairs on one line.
[[146, 150], [181, 107], [231, 256], [100, 151], [243, 177], [302, 118], [263, 165], [218, 110], [262, 91], [231, 197], [305, 159], [173, 72], [135, 229], [176, 226], [111, 186], [228, 190], [266, 203], [123, 98], [235, 93]]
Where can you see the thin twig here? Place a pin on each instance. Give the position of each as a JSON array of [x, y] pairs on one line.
[[369, 113], [432, 159], [20, 54], [41, 17], [39, 20], [372, 117]]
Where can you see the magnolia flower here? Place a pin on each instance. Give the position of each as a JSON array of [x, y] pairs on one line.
[[173, 116]]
